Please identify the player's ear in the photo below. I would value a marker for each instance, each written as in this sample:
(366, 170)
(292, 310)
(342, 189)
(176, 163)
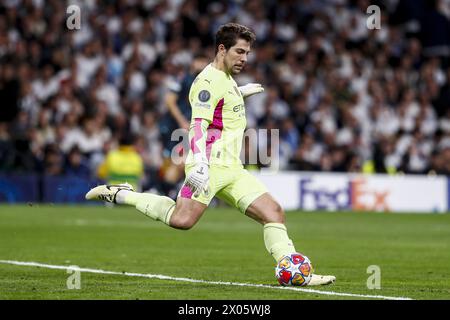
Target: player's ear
(222, 49)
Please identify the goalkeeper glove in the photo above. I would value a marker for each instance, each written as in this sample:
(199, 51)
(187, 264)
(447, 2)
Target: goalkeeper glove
(251, 89)
(198, 179)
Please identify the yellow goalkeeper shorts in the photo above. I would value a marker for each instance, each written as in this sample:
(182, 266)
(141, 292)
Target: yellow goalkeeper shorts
(236, 186)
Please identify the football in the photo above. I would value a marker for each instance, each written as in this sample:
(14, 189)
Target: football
(294, 269)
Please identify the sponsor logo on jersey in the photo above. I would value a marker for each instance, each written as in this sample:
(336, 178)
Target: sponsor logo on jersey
(239, 107)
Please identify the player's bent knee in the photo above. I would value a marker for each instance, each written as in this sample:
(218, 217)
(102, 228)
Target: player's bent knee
(273, 215)
(183, 220)
(186, 214)
(267, 212)
(277, 214)
(181, 225)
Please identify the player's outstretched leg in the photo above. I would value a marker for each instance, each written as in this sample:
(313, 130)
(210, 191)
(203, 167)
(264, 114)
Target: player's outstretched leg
(182, 214)
(269, 213)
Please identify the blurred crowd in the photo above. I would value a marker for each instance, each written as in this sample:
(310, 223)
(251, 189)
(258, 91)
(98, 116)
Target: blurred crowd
(344, 97)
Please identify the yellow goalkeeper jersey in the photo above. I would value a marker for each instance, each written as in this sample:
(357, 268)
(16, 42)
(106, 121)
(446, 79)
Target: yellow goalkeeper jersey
(215, 97)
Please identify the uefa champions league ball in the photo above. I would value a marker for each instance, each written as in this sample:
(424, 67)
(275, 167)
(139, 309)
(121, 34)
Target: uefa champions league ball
(294, 269)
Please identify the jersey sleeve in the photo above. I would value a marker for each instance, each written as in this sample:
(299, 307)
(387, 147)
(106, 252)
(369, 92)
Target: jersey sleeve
(203, 97)
(197, 138)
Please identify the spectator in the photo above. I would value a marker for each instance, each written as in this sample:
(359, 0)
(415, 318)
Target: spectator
(344, 98)
(177, 102)
(75, 164)
(90, 138)
(123, 164)
(53, 162)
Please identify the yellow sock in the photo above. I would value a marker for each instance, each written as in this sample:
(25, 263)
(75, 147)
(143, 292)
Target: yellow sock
(159, 208)
(277, 240)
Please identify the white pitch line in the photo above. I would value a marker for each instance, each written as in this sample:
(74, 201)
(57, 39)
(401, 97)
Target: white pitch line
(163, 277)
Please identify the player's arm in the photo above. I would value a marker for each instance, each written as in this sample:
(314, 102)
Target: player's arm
(203, 98)
(198, 178)
(199, 133)
(170, 100)
(171, 103)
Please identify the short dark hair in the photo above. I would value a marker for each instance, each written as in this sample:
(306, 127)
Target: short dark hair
(228, 34)
(127, 139)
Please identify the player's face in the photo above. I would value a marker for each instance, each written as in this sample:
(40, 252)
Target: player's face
(236, 56)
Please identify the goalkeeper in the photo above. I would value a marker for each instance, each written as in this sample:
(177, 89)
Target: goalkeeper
(213, 166)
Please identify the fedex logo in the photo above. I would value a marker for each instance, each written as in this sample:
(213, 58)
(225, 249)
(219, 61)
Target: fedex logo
(341, 194)
(367, 199)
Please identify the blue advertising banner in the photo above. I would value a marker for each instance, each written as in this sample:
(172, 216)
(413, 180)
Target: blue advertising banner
(66, 189)
(16, 188)
(19, 188)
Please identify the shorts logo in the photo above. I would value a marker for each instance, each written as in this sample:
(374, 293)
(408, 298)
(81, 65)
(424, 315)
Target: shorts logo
(204, 95)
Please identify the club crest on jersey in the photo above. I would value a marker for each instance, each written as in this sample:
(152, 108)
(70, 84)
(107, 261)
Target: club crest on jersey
(204, 95)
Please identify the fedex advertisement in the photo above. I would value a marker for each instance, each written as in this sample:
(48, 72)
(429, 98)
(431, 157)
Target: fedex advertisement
(334, 192)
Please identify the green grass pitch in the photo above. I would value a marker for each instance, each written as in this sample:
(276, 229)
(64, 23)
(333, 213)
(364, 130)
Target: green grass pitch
(412, 251)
